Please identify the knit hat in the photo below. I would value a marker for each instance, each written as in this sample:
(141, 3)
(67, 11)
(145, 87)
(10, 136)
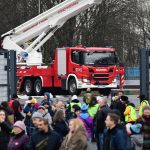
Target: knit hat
(74, 97)
(84, 107)
(37, 115)
(20, 124)
(124, 98)
(42, 107)
(32, 101)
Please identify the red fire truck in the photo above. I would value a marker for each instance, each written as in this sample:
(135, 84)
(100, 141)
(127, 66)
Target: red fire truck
(73, 68)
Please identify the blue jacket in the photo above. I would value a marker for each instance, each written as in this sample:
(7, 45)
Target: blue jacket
(116, 139)
(28, 108)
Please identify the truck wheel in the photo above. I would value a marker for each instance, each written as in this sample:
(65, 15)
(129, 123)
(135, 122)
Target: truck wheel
(28, 87)
(72, 87)
(105, 91)
(38, 87)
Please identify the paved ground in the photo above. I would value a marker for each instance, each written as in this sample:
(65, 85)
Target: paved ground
(132, 98)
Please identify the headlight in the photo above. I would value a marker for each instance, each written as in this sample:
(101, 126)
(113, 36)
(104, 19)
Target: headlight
(86, 80)
(114, 80)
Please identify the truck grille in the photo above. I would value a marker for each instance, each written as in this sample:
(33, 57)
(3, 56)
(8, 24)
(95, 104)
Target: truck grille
(100, 77)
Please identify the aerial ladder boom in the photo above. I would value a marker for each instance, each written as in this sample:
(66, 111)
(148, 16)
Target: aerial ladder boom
(41, 28)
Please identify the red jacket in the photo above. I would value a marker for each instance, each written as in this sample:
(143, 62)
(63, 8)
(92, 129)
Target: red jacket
(16, 107)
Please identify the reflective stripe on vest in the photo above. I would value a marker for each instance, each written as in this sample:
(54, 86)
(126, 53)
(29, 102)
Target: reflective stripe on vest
(132, 115)
(141, 106)
(93, 110)
(72, 104)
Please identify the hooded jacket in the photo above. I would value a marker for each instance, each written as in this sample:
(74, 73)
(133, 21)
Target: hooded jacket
(88, 122)
(47, 116)
(48, 97)
(48, 102)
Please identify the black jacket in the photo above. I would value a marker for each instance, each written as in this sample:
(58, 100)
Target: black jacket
(114, 104)
(5, 131)
(121, 107)
(45, 141)
(100, 118)
(61, 128)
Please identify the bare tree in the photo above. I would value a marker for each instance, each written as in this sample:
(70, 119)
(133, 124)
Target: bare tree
(122, 24)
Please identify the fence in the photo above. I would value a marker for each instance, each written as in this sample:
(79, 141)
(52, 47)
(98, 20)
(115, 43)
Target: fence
(132, 73)
(7, 74)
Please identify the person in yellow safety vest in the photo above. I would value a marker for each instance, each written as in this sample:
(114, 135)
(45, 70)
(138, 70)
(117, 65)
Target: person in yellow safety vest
(130, 113)
(74, 101)
(93, 107)
(143, 102)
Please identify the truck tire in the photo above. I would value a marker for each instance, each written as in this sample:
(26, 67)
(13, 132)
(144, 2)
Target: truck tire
(72, 88)
(105, 91)
(38, 87)
(28, 87)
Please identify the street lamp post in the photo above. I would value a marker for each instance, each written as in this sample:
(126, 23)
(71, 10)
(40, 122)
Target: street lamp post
(39, 9)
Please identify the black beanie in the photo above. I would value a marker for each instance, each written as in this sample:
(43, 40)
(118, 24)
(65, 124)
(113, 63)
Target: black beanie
(124, 98)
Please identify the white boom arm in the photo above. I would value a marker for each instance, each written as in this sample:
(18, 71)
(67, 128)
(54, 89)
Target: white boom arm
(41, 28)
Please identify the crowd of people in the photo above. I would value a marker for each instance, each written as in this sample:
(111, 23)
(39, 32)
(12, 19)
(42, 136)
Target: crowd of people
(72, 125)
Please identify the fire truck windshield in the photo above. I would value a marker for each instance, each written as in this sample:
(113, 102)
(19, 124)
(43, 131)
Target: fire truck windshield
(96, 58)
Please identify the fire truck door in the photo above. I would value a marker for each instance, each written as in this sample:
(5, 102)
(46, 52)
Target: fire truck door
(61, 61)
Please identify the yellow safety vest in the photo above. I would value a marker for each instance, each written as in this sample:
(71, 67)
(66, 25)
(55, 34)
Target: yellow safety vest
(93, 110)
(72, 104)
(132, 115)
(142, 105)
